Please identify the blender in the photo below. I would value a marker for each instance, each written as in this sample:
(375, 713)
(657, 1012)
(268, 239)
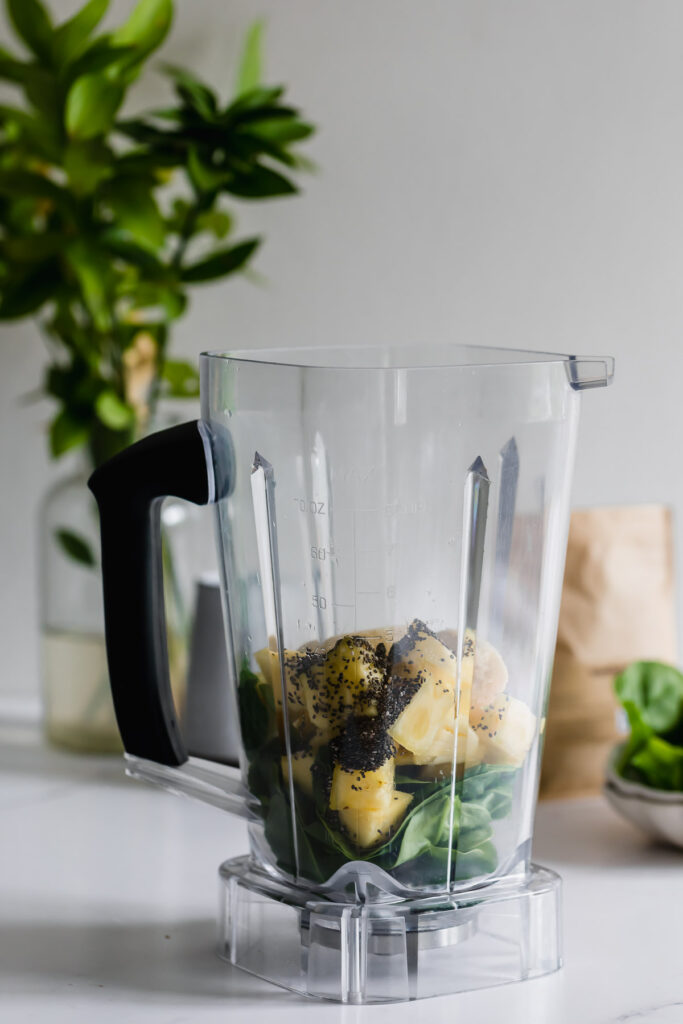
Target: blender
(391, 527)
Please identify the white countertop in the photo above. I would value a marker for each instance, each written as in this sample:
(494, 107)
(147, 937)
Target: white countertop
(108, 901)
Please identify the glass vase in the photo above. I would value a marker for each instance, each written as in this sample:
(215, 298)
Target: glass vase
(78, 708)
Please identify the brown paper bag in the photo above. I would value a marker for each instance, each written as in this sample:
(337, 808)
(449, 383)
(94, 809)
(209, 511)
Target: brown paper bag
(617, 607)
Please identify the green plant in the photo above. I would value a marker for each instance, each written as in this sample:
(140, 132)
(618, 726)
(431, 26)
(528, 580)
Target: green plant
(106, 222)
(651, 693)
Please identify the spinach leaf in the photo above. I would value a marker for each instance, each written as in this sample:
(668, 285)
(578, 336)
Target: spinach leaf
(321, 851)
(478, 861)
(333, 847)
(278, 831)
(657, 692)
(660, 764)
(652, 696)
(492, 785)
(254, 715)
(264, 778)
(431, 867)
(473, 829)
(427, 826)
(639, 736)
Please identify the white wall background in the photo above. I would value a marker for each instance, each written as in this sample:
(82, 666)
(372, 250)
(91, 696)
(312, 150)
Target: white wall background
(507, 173)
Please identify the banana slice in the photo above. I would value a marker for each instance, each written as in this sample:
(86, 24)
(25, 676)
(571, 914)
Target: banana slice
(490, 674)
(506, 729)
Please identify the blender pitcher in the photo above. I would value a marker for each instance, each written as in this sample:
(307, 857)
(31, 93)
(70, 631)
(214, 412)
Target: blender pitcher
(391, 528)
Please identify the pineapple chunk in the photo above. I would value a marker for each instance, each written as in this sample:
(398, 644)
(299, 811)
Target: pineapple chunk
(348, 680)
(269, 663)
(420, 655)
(422, 658)
(312, 685)
(302, 764)
(418, 725)
(404, 756)
(467, 753)
(506, 729)
(367, 827)
(362, 790)
(381, 635)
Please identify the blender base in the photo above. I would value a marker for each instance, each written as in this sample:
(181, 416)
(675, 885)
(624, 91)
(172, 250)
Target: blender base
(389, 951)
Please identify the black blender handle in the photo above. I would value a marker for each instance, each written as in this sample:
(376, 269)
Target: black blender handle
(129, 489)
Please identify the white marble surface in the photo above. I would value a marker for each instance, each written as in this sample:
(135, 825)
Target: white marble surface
(107, 905)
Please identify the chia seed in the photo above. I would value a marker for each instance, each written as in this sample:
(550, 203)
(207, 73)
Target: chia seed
(363, 746)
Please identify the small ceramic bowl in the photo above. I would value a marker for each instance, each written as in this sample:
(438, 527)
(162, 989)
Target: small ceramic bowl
(657, 812)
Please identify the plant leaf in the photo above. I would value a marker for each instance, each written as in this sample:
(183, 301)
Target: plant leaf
(174, 302)
(145, 29)
(34, 131)
(44, 92)
(159, 302)
(28, 293)
(182, 379)
(101, 55)
(75, 547)
(135, 211)
(31, 23)
(29, 185)
(87, 162)
(71, 37)
(91, 106)
(250, 68)
(11, 69)
(194, 92)
(91, 269)
(221, 263)
(218, 222)
(280, 130)
(262, 96)
(113, 411)
(66, 432)
(203, 176)
(119, 243)
(260, 182)
(33, 248)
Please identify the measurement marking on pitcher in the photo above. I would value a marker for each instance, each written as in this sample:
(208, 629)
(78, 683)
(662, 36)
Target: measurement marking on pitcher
(400, 508)
(316, 508)
(322, 554)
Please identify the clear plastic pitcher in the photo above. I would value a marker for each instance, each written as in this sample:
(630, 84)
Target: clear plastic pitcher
(391, 528)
